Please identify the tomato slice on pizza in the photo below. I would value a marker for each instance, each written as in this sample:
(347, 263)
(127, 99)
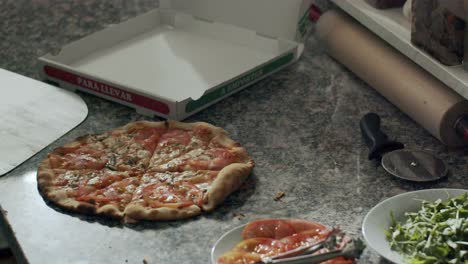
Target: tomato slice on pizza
(174, 144)
(200, 179)
(268, 228)
(87, 182)
(80, 157)
(205, 159)
(130, 148)
(148, 137)
(212, 159)
(174, 137)
(119, 192)
(179, 195)
(86, 178)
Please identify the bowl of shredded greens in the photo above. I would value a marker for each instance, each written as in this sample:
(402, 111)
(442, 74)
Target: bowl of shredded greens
(421, 227)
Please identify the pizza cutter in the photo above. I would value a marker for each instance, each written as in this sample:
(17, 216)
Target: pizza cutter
(411, 165)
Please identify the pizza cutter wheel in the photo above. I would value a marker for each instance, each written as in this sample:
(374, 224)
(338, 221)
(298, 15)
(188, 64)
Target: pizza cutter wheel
(411, 165)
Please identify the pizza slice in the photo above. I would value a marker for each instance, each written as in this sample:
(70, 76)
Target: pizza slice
(181, 138)
(78, 190)
(200, 179)
(128, 148)
(218, 153)
(218, 168)
(131, 147)
(205, 159)
(170, 195)
(175, 195)
(113, 199)
(72, 180)
(158, 200)
(87, 152)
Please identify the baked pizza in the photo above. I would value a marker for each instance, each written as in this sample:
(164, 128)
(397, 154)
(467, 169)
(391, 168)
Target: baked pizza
(145, 171)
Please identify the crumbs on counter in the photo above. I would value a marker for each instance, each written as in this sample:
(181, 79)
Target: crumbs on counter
(145, 261)
(279, 196)
(239, 215)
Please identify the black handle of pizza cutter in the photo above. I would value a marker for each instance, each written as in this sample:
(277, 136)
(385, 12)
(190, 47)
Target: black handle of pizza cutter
(376, 140)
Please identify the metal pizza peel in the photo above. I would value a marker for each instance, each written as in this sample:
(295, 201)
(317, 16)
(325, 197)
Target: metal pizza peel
(411, 165)
(33, 114)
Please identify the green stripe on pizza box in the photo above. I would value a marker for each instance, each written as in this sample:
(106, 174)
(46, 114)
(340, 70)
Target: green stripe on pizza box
(305, 22)
(239, 82)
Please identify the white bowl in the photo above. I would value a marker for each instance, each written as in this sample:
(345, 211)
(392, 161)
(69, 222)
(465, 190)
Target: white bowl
(378, 219)
(226, 243)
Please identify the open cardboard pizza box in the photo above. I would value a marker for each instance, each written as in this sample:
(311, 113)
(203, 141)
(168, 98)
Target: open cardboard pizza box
(184, 56)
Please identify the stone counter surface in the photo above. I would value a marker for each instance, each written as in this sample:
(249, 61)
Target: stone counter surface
(300, 126)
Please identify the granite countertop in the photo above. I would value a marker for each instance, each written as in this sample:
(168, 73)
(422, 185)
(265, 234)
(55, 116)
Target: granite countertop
(300, 126)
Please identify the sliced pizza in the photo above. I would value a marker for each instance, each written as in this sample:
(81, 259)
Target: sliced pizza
(146, 171)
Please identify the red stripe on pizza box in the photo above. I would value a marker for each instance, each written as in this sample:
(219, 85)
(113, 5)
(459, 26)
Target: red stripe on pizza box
(108, 90)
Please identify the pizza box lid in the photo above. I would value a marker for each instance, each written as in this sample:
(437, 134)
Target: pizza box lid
(184, 56)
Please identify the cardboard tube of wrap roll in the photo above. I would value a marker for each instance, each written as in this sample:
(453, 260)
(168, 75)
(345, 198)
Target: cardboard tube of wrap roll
(417, 93)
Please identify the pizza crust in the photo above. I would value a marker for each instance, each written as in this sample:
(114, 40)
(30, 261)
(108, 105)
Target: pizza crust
(242, 157)
(110, 210)
(58, 195)
(228, 180)
(201, 125)
(45, 176)
(60, 198)
(139, 124)
(224, 141)
(136, 211)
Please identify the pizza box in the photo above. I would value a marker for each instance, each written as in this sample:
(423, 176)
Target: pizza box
(183, 56)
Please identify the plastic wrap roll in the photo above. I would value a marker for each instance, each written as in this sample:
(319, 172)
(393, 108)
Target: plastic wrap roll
(417, 93)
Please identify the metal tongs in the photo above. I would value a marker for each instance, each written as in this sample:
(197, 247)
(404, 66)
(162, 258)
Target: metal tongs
(305, 254)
